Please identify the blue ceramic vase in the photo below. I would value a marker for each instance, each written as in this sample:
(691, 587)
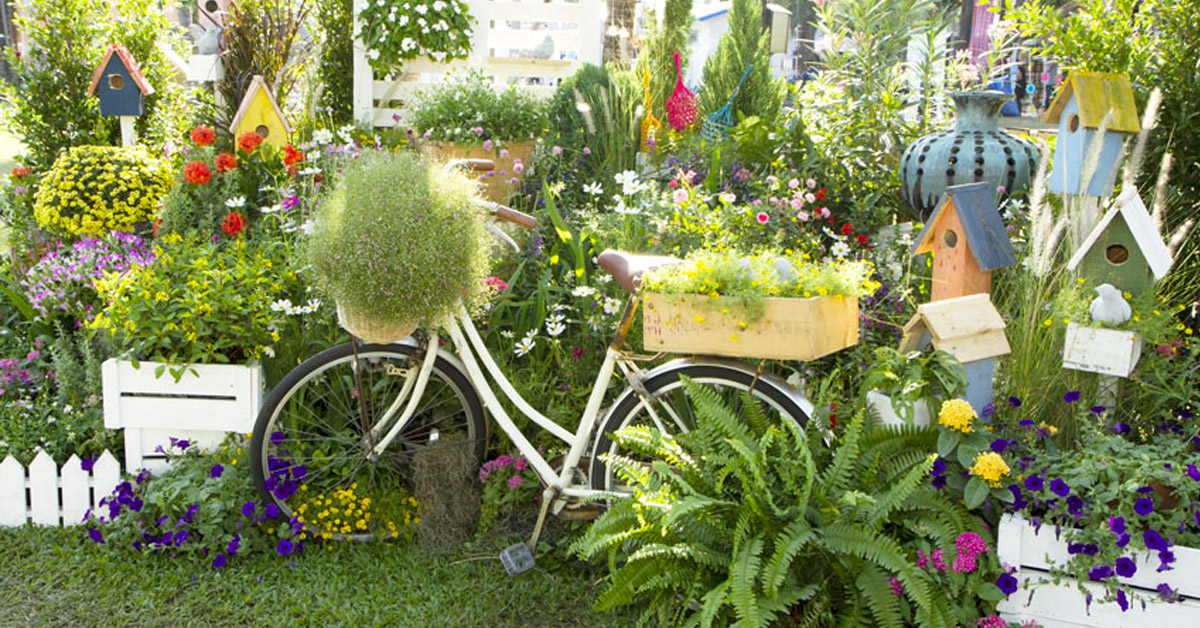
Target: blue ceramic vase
(976, 149)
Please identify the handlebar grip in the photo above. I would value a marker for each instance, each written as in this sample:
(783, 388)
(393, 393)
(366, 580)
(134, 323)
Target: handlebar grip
(478, 165)
(518, 218)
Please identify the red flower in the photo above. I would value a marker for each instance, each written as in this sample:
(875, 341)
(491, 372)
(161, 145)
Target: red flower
(862, 239)
(20, 173)
(203, 136)
(821, 194)
(225, 162)
(847, 229)
(233, 224)
(291, 156)
(197, 172)
(249, 141)
(155, 227)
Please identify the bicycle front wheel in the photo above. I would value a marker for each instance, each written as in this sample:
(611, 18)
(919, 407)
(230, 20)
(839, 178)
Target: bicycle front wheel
(676, 414)
(311, 450)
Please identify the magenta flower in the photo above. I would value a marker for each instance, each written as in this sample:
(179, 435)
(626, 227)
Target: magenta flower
(515, 481)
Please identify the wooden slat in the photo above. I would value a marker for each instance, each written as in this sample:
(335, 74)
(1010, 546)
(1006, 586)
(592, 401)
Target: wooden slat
(76, 494)
(43, 490)
(12, 493)
(963, 316)
(106, 475)
(978, 347)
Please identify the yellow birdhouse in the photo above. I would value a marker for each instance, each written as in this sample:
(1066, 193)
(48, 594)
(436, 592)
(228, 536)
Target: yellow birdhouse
(261, 114)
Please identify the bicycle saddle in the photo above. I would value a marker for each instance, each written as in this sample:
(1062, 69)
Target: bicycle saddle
(627, 268)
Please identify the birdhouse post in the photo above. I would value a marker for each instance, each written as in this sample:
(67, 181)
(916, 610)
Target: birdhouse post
(969, 328)
(1124, 249)
(121, 87)
(1079, 110)
(968, 241)
(261, 114)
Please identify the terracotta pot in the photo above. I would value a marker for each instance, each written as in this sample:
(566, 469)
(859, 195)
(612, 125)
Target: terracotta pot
(497, 186)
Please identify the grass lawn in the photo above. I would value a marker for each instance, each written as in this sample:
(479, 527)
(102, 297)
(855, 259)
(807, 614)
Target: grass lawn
(54, 577)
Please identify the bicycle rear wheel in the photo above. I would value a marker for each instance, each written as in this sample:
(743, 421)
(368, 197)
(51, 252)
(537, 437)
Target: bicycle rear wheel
(310, 453)
(677, 414)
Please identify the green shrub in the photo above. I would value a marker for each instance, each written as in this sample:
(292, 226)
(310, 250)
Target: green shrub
(335, 66)
(262, 37)
(440, 30)
(92, 190)
(467, 109)
(746, 44)
(399, 240)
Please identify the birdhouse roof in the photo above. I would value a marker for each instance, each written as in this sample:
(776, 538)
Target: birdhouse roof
(982, 226)
(1096, 93)
(135, 71)
(256, 84)
(969, 328)
(1130, 206)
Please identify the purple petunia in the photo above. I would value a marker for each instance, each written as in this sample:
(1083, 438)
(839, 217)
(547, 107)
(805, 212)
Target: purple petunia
(87, 463)
(1165, 557)
(1120, 428)
(1122, 600)
(1014, 402)
(219, 561)
(1100, 572)
(1034, 483)
(1117, 525)
(1155, 541)
(271, 511)
(1000, 445)
(1007, 583)
(1098, 409)
(1126, 567)
(1123, 540)
(1075, 505)
(1193, 472)
(216, 471)
(1143, 506)
(95, 535)
(277, 438)
(247, 509)
(1071, 397)
(1060, 488)
(284, 548)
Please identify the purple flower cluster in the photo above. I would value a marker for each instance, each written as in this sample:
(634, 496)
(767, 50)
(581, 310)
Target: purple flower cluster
(21, 373)
(518, 464)
(970, 546)
(62, 282)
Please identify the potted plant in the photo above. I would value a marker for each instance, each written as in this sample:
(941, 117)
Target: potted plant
(398, 242)
(907, 388)
(465, 118)
(764, 306)
(190, 328)
(92, 190)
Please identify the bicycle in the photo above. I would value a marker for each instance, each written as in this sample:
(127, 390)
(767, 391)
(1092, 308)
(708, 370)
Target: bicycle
(347, 421)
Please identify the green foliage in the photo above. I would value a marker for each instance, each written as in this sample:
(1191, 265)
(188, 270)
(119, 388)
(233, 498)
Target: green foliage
(917, 377)
(657, 55)
(400, 240)
(335, 65)
(76, 357)
(262, 37)
(745, 45)
(66, 39)
(596, 107)
(92, 190)
(467, 109)
(440, 30)
(726, 521)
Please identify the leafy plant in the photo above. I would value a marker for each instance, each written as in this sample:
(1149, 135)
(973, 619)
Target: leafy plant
(92, 190)
(745, 46)
(664, 37)
(725, 522)
(262, 37)
(396, 31)
(917, 377)
(335, 65)
(61, 283)
(467, 109)
(400, 257)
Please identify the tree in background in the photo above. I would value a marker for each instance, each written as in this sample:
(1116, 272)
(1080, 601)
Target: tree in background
(657, 55)
(335, 65)
(746, 44)
(262, 37)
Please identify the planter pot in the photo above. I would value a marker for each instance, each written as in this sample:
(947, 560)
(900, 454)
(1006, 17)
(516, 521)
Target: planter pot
(889, 415)
(372, 330)
(208, 402)
(1033, 552)
(976, 149)
(497, 187)
(789, 329)
(1099, 350)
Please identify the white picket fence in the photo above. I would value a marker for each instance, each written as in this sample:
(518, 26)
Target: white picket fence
(504, 28)
(43, 494)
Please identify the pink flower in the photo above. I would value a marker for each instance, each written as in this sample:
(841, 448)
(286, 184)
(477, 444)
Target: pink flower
(897, 587)
(557, 150)
(515, 481)
(794, 183)
(1000, 189)
(937, 559)
(802, 216)
(991, 621)
(520, 463)
(679, 196)
(763, 217)
(477, 130)
(587, 151)
(518, 167)
(922, 560)
(811, 183)
(772, 179)
(487, 145)
(503, 153)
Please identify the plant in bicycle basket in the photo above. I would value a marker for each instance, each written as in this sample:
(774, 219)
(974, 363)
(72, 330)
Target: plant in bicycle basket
(399, 242)
(396, 31)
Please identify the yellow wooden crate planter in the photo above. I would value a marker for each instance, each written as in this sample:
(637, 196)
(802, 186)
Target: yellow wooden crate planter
(788, 329)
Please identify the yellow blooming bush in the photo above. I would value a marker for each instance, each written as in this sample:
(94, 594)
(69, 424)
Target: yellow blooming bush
(92, 190)
(347, 511)
(991, 468)
(199, 302)
(957, 414)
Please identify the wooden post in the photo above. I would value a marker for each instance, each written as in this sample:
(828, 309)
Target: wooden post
(128, 137)
(979, 382)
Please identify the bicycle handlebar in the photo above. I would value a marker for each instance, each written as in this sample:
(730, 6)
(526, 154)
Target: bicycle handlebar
(477, 165)
(507, 214)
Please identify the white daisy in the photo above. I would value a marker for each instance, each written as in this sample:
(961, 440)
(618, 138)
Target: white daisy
(594, 188)
(583, 291)
(611, 306)
(840, 249)
(555, 327)
(235, 202)
(523, 347)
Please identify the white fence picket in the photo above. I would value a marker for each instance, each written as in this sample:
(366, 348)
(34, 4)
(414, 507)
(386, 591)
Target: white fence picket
(43, 490)
(76, 494)
(12, 493)
(106, 474)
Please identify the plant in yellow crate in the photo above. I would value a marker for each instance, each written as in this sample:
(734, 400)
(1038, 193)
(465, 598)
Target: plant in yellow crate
(92, 190)
(399, 242)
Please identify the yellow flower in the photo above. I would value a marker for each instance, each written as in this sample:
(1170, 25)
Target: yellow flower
(1049, 429)
(990, 467)
(957, 414)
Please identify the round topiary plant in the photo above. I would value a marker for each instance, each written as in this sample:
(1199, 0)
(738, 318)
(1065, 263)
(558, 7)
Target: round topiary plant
(399, 242)
(92, 190)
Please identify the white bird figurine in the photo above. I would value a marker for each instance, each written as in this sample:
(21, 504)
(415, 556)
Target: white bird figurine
(207, 40)
(1110, 307)
(783, 269)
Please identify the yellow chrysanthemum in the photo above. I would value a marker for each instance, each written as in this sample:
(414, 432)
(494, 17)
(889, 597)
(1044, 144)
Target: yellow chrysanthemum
(957, 414)
(990, 467)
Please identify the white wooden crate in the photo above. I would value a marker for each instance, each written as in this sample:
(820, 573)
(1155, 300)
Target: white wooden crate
(1098, 350)
(45, 495)
(208, 402)
(1034, 551)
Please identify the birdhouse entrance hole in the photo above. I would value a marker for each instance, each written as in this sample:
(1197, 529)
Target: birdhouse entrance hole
(211, 6)
(262, 131)
(950, 238)
(1116, 255)
(1073, 122)
(116, 81)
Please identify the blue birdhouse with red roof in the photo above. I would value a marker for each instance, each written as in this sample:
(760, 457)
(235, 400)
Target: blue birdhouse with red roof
(119, 84)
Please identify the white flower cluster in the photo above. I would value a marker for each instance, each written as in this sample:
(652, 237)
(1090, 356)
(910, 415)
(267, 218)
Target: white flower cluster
(285, 306)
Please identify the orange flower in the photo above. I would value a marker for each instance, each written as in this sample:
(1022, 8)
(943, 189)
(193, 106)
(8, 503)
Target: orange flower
(20, 173)
(249, 141)
(203, 136)
(233, 224)
(225, 162)
(291, 156)
(197, 172)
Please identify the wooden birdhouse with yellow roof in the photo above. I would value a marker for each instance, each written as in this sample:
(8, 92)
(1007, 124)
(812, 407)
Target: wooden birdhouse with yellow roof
(119, 84)
(261, 114)
(1079, 109)
(968, 241)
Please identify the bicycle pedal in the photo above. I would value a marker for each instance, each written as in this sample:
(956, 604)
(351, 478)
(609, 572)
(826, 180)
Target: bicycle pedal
(517, 559)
